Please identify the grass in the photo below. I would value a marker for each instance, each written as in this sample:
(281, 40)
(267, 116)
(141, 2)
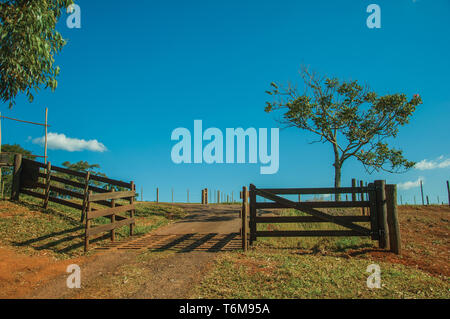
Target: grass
(58, 231)
(285, 274)
(313, 268)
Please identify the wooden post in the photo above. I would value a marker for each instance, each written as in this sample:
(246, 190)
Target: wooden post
(15, 190)
(428, 201)
(299, 198)
(47, 184)
(392, 218)
(353, 186)
(86, 193)
(421, 192)
(133, 188)
(448, 192)
(87, 225)
(172, 195)
(382, 214)
(203, 196)
(206, 196)
(218, 197)
(113, 218)
(252, 213)
(363, 209)
(157, 195)
(244, 230)
(373, 212)
(232, 197)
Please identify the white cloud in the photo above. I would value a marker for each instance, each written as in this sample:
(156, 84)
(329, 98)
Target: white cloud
(410, 184)
(440, 162)
(57, 141)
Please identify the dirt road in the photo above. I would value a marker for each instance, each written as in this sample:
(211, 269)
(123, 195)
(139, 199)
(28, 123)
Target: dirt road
(166, 263)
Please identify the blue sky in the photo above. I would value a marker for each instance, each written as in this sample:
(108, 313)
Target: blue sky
(135, 71)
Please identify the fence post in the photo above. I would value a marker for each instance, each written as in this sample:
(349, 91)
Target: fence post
(421, 192)
(157, 194)
(47, 184)
(206, 196)
(353, 186)
(448, 192)
(88, 224)
(203, 196)
(133, 188)
(382, 214)
(86, 192)
(15, 190)
(373, 212)
(363, 209)
(392, 218)
(218, 197)
(113, 218)
(252, 213)
(244, 230)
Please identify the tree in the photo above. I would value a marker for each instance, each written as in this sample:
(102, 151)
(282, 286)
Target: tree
(28, 43)
(352, 118)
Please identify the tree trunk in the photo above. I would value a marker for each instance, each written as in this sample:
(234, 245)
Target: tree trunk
(337, 171)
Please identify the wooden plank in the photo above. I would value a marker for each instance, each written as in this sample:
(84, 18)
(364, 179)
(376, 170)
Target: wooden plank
(107, 227)
(110, 181)
(309, 219)
(69, 171)
(325, 204)
(35, 163)
(65, 202)
(78, 184)
(309, 233)
(311, 211)
(392, 219)
(331, 190)
(110, 211)
(67, 192)
(111, 195)
(31, 193)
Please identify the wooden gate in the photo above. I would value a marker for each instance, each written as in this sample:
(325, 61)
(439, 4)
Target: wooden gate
(76, 190)
(377, 199)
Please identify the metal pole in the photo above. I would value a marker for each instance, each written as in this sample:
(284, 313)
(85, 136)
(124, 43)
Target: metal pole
(45, 143)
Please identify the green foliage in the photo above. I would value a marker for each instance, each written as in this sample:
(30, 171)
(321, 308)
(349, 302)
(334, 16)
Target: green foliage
(28, 43)
(351, 117)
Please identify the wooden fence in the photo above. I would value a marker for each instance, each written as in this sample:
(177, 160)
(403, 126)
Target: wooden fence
(379, 211)
(35, 179)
